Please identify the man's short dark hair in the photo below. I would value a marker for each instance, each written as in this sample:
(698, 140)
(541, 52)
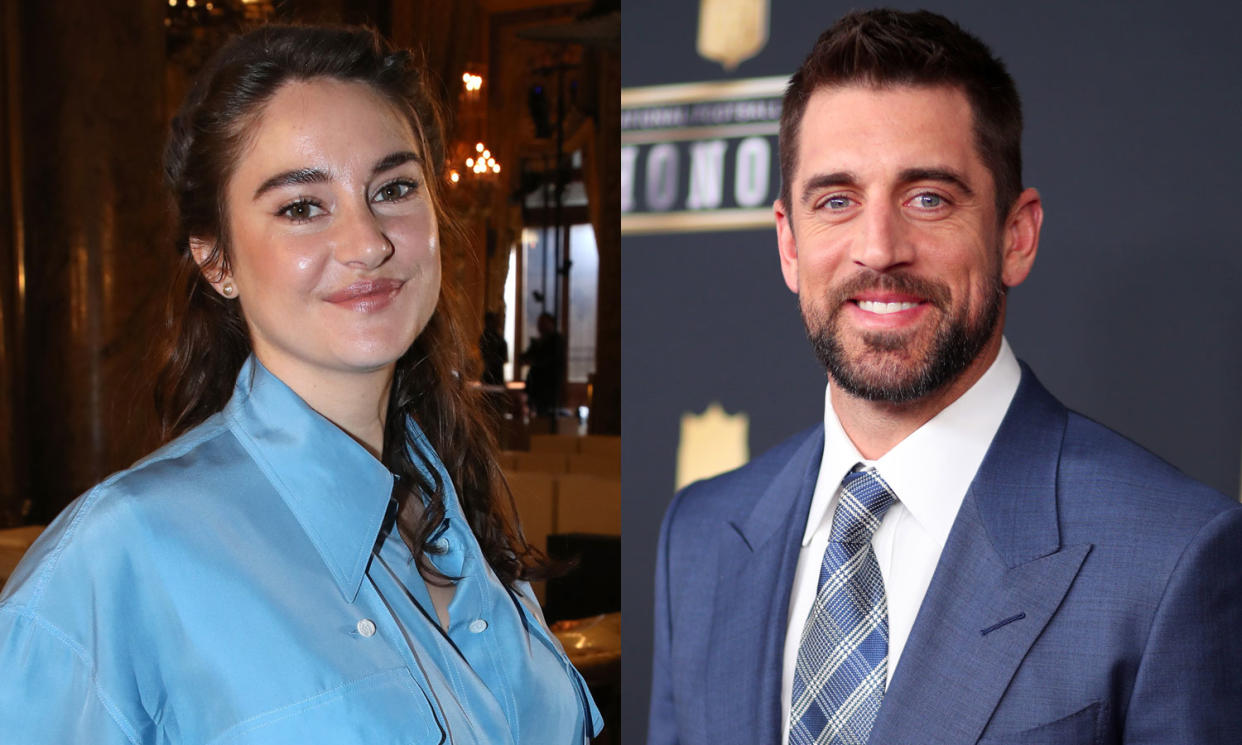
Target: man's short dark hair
(888, 47)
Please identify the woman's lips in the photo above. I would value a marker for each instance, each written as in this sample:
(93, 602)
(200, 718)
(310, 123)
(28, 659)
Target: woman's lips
(366, 295)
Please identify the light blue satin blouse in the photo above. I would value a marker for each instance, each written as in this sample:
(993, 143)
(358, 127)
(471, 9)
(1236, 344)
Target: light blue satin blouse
(241, 586)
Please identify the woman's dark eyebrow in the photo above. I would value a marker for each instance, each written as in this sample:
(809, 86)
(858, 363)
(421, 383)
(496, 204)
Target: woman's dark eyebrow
(316, 176)
(298, 176)
(394, 160)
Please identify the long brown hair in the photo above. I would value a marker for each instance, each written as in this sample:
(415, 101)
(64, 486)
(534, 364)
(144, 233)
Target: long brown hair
(209, 340)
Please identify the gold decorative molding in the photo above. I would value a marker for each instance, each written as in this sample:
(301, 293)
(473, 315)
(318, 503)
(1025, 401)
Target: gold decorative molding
(697, 222)
(715, 90)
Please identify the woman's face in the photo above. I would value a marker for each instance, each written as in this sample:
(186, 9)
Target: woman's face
(333, 237)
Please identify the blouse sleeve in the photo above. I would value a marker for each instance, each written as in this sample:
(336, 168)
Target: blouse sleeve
(48, 691)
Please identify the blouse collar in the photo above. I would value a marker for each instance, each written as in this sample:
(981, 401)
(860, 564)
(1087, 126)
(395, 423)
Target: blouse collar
(338, 492)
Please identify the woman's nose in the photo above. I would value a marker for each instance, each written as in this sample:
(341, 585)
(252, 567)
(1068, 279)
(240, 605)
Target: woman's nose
(363, 241)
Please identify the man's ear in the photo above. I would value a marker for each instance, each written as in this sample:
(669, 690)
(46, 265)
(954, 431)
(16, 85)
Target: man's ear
(786, 245)
(212, 266)
(1020, 239)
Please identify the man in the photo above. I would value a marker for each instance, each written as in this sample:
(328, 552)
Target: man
(546, 357)
(953, 557)
(493, 348)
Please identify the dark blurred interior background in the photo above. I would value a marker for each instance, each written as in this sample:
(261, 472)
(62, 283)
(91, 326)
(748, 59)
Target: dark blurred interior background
(86, 256)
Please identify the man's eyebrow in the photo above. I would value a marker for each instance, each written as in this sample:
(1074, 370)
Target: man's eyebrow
(822, 181)
(826, 181)
(395, 159)
(296, 176)
(943, 175)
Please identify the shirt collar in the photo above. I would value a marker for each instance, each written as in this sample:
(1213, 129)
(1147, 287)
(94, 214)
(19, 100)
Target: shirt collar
(931, 469)
(337, 491)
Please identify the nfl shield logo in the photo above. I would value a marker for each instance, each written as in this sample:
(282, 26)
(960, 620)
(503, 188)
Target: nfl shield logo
(711, 443)
(731, 31)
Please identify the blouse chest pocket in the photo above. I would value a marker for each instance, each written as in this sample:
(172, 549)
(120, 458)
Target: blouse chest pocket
(387, 708)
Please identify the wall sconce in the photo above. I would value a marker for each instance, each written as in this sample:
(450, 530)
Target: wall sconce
(482, 162)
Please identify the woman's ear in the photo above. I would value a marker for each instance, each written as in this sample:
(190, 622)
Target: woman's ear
(215, 272)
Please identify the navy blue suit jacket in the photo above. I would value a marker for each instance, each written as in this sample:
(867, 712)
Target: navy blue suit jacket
(1088, 592)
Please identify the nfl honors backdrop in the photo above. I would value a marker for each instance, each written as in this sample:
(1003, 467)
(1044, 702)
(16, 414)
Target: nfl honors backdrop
(1132, 315)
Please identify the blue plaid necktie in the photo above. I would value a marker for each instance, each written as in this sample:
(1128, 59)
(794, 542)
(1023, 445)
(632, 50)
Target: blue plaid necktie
(843, 656)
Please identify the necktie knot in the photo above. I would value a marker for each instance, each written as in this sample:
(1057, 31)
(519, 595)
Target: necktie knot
(865, 497)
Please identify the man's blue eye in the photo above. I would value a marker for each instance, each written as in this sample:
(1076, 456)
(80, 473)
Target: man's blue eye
(837, 203)
(929, 201)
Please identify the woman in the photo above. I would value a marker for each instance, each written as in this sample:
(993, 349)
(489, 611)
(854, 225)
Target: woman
(320, 556)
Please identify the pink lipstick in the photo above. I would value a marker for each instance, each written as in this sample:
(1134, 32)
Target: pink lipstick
(366, 295)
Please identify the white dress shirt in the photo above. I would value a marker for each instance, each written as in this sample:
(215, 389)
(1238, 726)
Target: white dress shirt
(929, 472)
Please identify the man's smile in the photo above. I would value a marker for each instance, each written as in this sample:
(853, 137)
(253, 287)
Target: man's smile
(873, 306)
(885, 308)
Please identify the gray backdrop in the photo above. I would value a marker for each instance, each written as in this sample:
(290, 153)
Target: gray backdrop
(1132, 314)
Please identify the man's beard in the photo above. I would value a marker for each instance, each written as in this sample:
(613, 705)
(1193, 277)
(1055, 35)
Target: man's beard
(957, 341)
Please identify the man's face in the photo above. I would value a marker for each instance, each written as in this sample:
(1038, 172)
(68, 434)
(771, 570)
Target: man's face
(892, 240)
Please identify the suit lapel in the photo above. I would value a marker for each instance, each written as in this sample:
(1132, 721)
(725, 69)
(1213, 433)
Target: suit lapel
(977, 623)
(756, 564)
(1001, 576)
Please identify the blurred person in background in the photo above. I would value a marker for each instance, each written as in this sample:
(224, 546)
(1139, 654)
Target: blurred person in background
(546, 357)
(493, 349)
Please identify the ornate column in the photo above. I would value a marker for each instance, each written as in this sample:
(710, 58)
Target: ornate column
(11, 295)
(606, 414)
(96, 260)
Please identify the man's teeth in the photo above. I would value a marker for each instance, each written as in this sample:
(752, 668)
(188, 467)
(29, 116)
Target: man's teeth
(873, 307)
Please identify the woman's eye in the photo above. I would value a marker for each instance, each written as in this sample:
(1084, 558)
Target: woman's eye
(394, 191)
(301, 210)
